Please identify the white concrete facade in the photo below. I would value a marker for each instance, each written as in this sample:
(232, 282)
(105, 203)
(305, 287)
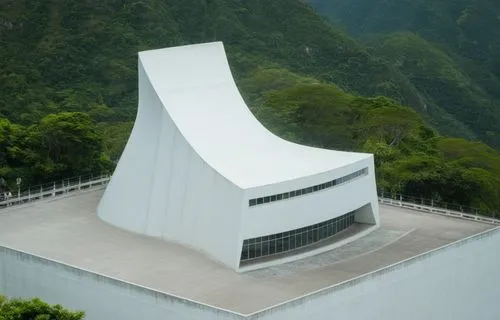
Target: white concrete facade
(197, 156)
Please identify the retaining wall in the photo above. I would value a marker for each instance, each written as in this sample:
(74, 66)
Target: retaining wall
(457, 282)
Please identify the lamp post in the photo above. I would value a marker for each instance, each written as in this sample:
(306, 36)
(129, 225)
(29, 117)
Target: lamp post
(18, 182)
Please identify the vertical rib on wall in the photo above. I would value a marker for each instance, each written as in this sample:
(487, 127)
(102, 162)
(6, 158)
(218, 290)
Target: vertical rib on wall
(162, 188)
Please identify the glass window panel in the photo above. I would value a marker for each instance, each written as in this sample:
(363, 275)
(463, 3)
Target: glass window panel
(273, 198)
(265, 248)
(267, 199)
(324, 232)
(286, 195)
(292, 194)
(260, 200)
(244, 253)
(258, 249)
(291, 240)
(251, 251)
(309, 238)
(252, 202)
(303, 239)
(286, 244)
(279, 245)
(279, 197)
(272, 247)
(315, 235)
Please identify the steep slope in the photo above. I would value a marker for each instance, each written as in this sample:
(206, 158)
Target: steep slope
(461, 36)
(80, 55)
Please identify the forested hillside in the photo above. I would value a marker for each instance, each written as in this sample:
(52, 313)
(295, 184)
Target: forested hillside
(69, 90)
(448, 50)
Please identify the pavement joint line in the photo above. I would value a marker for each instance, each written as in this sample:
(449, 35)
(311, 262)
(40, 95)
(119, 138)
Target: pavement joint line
(377, 249)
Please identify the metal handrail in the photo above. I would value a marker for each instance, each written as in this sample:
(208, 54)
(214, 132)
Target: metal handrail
(65, 186)
(56, 188)
(438, 210)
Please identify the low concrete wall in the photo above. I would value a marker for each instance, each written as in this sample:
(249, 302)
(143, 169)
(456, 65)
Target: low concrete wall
(457, 282)
(102, 298)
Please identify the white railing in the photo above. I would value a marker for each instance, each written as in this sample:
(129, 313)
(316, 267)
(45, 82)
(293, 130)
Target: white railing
(66, 186)
(50, 190)
(431, 208)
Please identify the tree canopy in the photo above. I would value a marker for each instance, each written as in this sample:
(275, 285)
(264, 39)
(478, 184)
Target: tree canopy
(35, 309)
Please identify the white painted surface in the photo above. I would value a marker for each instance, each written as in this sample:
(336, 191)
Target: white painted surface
(457, 282)
(102, 298)
(195, 85)
(196, 155)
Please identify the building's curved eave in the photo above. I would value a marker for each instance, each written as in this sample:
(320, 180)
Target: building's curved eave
(197, 89)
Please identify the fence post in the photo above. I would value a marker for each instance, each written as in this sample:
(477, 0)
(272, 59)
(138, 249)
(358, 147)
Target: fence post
(29, 194)
(41, 192)
(54, 190)
(400, 200)
(79, 182)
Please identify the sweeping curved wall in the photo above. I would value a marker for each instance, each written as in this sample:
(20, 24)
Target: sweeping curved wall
(197, 158)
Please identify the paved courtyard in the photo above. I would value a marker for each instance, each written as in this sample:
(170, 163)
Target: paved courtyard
(68, 230)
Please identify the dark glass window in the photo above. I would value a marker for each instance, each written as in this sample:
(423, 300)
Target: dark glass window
(290, 240)
(296, 193)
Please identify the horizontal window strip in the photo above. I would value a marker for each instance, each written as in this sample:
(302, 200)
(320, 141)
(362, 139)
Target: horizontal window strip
(256, 248)
(304, 191)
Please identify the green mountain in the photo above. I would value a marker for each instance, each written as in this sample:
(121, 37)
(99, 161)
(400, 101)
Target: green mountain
(69, 89)
(449, 51)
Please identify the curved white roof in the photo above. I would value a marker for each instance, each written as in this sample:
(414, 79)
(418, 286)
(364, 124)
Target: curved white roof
(196, 86)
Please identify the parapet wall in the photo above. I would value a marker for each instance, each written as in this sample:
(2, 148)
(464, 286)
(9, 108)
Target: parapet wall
(102, 298)
(455, 282)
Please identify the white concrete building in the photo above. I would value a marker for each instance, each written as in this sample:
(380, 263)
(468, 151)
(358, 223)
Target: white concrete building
(200, 170)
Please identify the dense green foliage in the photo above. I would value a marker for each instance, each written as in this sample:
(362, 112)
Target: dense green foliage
(448, 50)
(411, 158)
(60, 145)
(69, 89)
(34, 309)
